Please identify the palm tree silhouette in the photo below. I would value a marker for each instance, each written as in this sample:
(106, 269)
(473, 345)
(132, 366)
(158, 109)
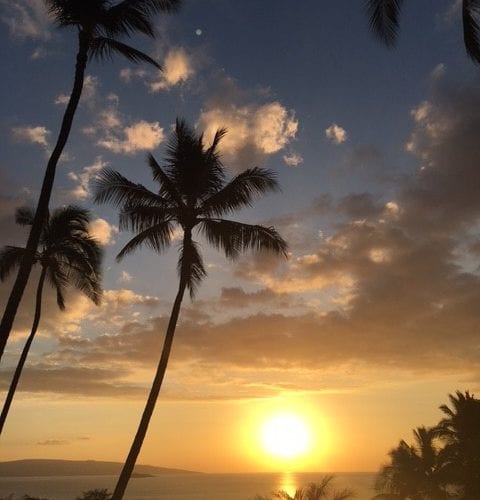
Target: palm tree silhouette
(68, 256)
(461, 432)
(415, 472)
(384, 22)
(314, 491)
(192, 194)
(100, 25)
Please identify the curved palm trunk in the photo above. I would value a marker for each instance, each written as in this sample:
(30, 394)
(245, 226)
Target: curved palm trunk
(26, 348)
(44, 199)
(152, 398)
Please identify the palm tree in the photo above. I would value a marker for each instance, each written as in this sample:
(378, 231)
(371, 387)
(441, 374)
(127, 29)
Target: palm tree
(192, 193)
(461, 432)
(415, 472)
(384, 22)
(68, 255)
(314, 491)
(100, 24)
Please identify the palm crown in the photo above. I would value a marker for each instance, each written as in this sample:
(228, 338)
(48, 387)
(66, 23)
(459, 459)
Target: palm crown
(101, 22)
(192, 193)
(67, 253)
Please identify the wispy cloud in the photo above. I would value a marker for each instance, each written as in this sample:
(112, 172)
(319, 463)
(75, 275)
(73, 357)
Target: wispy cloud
(82, 190)
(103, 231)
(177, 69)
(33, 135)
(26, 18)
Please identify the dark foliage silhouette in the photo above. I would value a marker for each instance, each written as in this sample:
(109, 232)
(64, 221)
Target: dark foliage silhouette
(415, 472)
(384, 22)
(192, 193)
(460, 430)
(102, 494)
(314, 491)
(100, 25)
(444, 462)
(67, 255)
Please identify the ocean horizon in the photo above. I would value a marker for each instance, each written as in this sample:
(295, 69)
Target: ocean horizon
(201, 486)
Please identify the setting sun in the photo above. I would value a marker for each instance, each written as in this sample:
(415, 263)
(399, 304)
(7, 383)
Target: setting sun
(285, 436)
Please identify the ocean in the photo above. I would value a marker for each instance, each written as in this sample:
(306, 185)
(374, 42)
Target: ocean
(183, 486)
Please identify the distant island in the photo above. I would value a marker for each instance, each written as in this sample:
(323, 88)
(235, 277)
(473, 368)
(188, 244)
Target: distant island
(44, 467)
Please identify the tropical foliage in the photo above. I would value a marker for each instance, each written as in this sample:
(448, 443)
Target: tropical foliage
(444, 461)
(67, 255)
(100, 25)
(314, 491)
(192, 194)
(384, 22)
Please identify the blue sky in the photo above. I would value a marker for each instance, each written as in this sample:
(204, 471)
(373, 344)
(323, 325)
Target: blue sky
(376, 155)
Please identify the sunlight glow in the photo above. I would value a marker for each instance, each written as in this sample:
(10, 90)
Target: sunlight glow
(285, 436)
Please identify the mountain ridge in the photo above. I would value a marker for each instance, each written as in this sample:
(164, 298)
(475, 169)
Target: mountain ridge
(51, 467)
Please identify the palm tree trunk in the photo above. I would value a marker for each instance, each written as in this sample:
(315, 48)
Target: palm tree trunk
(26, 348)
(44, 199)
(152, 398)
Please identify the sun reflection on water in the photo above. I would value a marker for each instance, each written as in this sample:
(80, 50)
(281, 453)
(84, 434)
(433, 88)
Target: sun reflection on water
(288, 482)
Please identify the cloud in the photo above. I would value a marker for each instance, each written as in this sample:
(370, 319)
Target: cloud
(140, 136)
(26, 18)
(443, 194)
(125, 277)
(293, 159)
(102, 231)
(177, 69)
(385, 288)
(33, 135)
(82, 189)
(89, 92)
(253, 132)
(336, 134)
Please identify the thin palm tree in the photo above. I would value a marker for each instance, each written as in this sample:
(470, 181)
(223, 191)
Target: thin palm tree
(192, 193)
(384, 22)
(460, 429)
(415, 472)
(100, 25)
(68, 255)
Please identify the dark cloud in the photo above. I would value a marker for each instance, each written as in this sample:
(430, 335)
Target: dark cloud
(96, 382)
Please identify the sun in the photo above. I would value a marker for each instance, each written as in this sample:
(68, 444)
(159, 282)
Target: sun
(285, 436)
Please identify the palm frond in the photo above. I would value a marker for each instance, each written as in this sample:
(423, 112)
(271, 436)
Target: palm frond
(138, 218)
(24, 216)
(10, 258)
(157, 237)
(194, 171)
(58, 279)
(384, 19)
(128, 17)
(88, 283)
(235, 237)
(167, 188)
(190, 266)
(344, 494)
(241, 191)
(104, 48)
(112, 187)
(471, 28)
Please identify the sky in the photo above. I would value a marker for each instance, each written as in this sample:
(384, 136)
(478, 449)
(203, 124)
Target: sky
(361, 333)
